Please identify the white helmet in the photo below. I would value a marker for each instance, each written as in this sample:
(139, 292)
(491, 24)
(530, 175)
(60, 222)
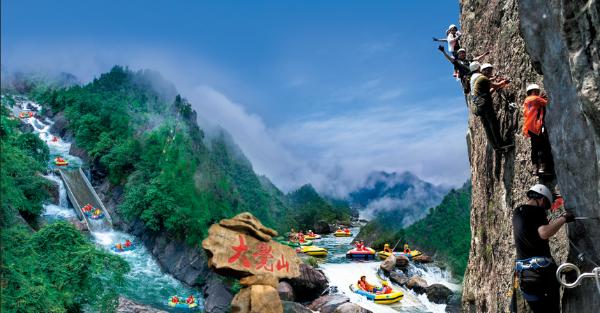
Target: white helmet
(462, 50)
(474, 66)
(533, 87)
(452, 26)
(486, 65)
(542, 190)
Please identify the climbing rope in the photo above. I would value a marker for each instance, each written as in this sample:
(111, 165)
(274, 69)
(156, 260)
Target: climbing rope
(568, 267)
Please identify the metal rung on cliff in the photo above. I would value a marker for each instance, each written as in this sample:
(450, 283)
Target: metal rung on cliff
(80, 193)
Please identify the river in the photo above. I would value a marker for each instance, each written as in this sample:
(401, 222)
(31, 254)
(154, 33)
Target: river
(145, 283)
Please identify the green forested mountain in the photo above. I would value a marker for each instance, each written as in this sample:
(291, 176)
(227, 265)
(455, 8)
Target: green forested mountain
(309, 208)
(53, 269)
(176, 179)
(445, 231)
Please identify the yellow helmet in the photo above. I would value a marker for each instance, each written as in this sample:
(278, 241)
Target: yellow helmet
(386, 245)
(384, 283)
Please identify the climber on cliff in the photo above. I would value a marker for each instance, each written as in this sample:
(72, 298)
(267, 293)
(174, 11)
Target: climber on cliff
(482, 105)
(453, 40)
(534, 265)
(461, 66)
(534, 111)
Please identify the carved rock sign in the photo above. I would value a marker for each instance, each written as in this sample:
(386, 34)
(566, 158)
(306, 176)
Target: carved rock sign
(242, 246)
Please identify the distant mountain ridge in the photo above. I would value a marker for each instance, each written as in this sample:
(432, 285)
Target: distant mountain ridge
(403, 197)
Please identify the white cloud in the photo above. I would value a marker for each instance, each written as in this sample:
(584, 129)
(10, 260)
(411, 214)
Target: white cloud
(426, 139)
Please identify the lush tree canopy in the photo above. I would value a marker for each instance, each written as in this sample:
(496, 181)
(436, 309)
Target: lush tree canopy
(445, 231)
(55, 269)
(176, 179)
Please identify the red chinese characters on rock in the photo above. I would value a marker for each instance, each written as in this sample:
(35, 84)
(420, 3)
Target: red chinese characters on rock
(262, 256)
(281, 264)
(239, 253)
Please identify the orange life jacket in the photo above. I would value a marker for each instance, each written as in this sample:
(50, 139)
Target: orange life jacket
(365, 286)
(533, 114)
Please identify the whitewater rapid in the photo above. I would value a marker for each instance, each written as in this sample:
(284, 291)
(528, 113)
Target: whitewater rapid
(145, 282)
(342, 272)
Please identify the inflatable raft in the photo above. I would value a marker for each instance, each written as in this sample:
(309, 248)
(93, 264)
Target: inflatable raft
(183, 305)
(296, 244)
(61, 162)
(313, 250)
(384, 255)
(387, 298)
(114, 248)
(94, 216)
(366, 254)
(25, 114)
(309, 237)
(342, 234)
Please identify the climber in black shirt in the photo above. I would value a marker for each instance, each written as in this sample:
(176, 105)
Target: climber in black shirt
(534, 264)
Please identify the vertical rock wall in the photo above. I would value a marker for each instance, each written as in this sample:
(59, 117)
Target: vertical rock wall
(562, 39)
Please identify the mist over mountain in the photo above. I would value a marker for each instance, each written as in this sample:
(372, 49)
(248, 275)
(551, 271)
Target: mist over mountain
(400, 197)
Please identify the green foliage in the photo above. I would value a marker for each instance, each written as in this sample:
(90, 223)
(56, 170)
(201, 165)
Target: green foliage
(175, 180)
(57, 270)
(22, 159)
(309, 207)
(312, 261)
(445, 231)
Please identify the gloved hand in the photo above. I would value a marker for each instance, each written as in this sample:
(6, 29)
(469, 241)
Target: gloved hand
(435, 39)
(441, 48)
(569, 217)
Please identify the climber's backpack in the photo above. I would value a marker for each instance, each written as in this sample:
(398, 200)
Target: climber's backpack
(478, 103)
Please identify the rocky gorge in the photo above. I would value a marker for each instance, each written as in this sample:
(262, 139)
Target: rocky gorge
(555, 44)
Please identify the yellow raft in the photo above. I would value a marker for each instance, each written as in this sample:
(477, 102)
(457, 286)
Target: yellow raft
(60, 162)
(384, 255)
(309, 237)
(342, 234)
(313, 250)
(387, 298)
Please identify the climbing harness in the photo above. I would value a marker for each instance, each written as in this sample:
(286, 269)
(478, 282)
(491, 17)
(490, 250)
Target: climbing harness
(532, 263)
(568, 267)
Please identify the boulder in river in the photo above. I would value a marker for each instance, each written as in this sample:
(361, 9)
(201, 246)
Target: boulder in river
(389, 264)
(401, 261)
(294, 307)
(328, 303)
(217, 298)
(52, 188)
(310, 284)
(286, 292)
(418, 284)
(127, 306)
(351, 308)
(399, 278)
(60, 124)
(422, 259)
(322, 227)
(80, 226)
(257, 298)
(438, 293)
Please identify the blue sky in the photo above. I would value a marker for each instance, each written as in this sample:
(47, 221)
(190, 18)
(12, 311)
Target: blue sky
(312, 91)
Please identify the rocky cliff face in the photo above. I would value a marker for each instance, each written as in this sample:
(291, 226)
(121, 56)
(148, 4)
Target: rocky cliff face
(555, 44)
